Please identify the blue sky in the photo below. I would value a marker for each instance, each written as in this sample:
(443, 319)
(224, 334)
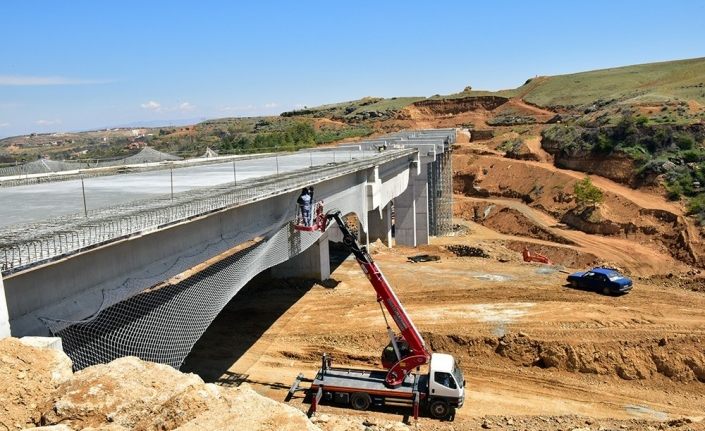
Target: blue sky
(78, 65)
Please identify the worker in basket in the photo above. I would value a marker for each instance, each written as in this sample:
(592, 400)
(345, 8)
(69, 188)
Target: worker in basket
(305, 202)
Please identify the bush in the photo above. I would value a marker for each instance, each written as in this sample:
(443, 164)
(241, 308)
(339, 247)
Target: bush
(604, 144)
(637, 153)
(674, 191)
(510, 145)
(696, 205)
(586, 194)
(684, 142)
(693, 156)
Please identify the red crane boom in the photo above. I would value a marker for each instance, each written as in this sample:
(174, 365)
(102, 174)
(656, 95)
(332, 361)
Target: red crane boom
(410, 349)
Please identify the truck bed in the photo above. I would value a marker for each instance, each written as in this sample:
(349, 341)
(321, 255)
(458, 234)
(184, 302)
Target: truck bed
(369, 381)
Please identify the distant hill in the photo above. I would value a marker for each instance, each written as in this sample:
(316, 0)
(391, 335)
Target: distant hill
(650, 82)
(644, 83)
(671, 92)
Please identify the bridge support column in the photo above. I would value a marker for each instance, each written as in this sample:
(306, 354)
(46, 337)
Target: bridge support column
(4, 314)
(411, 208)
(362, 236)
(312, 263)
(380, 227)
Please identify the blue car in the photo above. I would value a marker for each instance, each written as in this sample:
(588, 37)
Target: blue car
(605, 280)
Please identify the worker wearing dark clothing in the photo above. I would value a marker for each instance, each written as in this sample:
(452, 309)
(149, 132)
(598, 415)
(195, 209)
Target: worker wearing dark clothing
(305, 201)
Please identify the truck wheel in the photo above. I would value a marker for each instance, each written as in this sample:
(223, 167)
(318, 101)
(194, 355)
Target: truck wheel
(606, 291)
(439, 409)
(360, 401)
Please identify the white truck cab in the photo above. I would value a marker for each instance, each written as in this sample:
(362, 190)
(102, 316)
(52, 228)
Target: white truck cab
(446, 384)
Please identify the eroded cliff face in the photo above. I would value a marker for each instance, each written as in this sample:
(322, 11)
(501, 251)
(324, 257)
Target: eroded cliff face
(459, 105)
(617, 166)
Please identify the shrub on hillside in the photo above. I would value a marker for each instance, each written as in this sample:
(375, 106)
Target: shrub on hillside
(586, 194)
(684, 142)
(696, 205)
(693, 156)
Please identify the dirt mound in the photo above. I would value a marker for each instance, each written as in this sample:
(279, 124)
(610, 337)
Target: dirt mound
(27, 375)
(503, 219)
(467, 251)
(247, 410)
(39, 388)
(680, 358)
(132, 394)
(694, 281)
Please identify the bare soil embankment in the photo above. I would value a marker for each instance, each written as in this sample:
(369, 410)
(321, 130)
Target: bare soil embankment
(630, 215)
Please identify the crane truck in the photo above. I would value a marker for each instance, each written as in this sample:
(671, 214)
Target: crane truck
(440, 390)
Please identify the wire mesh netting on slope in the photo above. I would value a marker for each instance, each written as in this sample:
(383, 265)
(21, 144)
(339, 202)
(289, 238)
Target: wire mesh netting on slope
(162, 324)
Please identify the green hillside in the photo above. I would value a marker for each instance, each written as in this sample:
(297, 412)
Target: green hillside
(644, 83)
(657, 83)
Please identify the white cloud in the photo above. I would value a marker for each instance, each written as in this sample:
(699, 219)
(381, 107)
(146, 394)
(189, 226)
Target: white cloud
(158, 107)
(152, 106)
(238, 108)
(23, 80)
(271, 105)
(185, 106)
(47, 122)
(4, 125)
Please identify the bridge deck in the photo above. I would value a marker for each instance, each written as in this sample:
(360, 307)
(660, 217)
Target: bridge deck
(26, 245)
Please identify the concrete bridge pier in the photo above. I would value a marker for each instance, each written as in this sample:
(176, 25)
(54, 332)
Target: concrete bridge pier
(380, 225)
(312, 263)
(4, 314)
(411, 208)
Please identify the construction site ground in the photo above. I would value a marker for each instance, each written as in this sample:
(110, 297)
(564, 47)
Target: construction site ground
(536, 353)
(528, 345)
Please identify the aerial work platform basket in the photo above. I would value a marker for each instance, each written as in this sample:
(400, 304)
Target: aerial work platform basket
(318, 219)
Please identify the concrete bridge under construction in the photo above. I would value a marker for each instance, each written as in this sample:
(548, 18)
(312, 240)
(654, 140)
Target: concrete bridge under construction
(146, 276)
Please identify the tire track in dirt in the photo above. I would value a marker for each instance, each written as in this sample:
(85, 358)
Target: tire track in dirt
(523, 392)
